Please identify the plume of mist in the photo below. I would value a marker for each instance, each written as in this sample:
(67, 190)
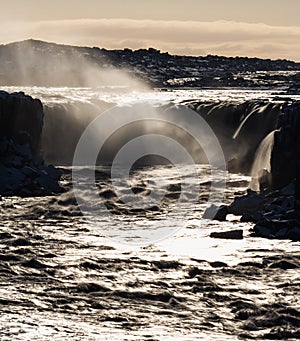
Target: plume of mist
(65, 123)
(63, 126)
(37, 63)
(154, 126)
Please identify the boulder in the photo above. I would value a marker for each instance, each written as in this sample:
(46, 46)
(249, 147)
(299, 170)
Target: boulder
(214, 212)
(233, 234)
(262, 231)
(250, 203)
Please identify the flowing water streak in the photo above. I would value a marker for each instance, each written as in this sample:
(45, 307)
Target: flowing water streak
(262, 160)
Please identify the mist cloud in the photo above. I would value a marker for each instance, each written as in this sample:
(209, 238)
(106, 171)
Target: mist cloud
(181, 37)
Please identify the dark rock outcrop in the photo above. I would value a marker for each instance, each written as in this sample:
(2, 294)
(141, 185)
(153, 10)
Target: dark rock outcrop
(21, 119)
(281, 217)
(214, 212)
(22, 169)
(276, 213)
(247, 204)
(233, 234)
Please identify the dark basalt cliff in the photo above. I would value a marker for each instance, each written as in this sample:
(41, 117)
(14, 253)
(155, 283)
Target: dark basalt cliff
(22, 170)
(280, 216)
(285, 158)
(21, 119)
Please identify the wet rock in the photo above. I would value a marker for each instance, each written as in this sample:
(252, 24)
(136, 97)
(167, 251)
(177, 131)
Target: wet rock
(244, 314)
(48, 184)
(67, 199)
(193, 272)
(234, 234)
(90, 288)
(166, 265)
(262, 231)
(108, 194)
(97, 305)
(278, 222)
(9, 257)
(5, 235)
(13, 161)
(251, 218)
(12, 181)
(216, 212)
(90, 265)
(117, 319)
(140, 295)
(218, 264)
(29, 172)
(24, 152)
(248, 204)
(285, 265)
(34, 263)
(251, 264)
(21, 242)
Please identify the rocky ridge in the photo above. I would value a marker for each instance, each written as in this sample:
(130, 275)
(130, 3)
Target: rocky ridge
(43, 64)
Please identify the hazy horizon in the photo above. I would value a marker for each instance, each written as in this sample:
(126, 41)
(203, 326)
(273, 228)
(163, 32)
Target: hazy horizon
(263, 29)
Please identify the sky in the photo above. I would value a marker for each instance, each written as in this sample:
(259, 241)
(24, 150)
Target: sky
(256, 28)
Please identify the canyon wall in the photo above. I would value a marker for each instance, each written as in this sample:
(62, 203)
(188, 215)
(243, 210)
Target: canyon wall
(22, 169)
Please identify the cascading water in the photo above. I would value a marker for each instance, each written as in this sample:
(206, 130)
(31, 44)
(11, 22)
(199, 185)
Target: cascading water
(262, 160)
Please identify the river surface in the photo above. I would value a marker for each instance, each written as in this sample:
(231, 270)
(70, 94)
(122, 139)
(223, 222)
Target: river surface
(124, 95)
(65, 278)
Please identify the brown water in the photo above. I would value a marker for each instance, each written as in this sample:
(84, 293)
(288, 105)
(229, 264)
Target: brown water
(62, 280)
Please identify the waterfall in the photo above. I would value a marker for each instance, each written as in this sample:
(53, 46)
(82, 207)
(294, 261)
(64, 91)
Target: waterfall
(262, 160)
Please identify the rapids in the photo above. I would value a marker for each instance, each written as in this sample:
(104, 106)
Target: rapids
(62, 278)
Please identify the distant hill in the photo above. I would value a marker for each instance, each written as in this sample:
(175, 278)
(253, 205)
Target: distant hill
(33, 62)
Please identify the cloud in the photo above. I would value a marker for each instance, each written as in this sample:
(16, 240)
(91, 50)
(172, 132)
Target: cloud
(182, 37)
